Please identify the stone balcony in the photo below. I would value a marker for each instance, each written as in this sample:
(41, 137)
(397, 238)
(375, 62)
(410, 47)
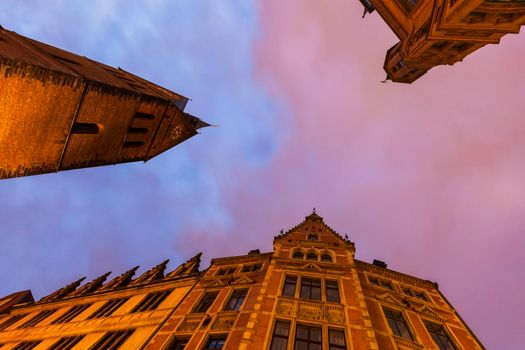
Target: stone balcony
(310, 310)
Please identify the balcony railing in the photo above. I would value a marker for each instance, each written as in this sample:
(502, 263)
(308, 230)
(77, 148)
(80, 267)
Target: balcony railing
(310, 310)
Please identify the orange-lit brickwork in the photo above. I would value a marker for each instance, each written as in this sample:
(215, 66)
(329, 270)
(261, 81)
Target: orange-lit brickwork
(309, 293)
(438, 32)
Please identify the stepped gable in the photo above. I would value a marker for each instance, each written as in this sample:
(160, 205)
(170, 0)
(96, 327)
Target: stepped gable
(120, 281)
(62, 292)
(7, 302)
(189, 267)
(153, 274)
(91, 286)
(313, 217)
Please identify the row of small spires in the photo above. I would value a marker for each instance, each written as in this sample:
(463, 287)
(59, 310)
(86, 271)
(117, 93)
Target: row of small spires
(126, 279)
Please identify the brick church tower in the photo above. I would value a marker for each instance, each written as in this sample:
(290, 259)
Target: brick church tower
(308, 293)
(61, 111)
(437, 32)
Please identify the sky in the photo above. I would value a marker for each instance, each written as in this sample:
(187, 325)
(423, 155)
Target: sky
(428, 177)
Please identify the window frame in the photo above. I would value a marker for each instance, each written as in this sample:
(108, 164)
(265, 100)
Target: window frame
(208, 339)
(309, 327)
(108, 308)
(337, 346)
(226, 270)
(248, 268)
(404, 320)
(296, 277)
(197, 305)
(446, 331)
(171, 342)
(381, 282)
(151, 301)
(338, 301)
(287, 337)
(311, 287)
(237, 306)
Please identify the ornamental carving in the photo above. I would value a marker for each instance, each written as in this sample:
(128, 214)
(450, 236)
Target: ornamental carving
(190, 323)
(224, 322)
(310, 310)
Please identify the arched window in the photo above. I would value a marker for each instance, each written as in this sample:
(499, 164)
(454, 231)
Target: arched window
(298, 255)
(312, 237)
(326, 258)
(312, 256)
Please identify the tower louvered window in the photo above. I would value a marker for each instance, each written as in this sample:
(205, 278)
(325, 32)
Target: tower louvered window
(39, 317)
(11, 321)
(151, 301)
(66, 343)
(71, 313)
(112, 340)
(110, 307)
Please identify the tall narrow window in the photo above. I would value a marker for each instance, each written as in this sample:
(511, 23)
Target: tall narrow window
(236, 300)
(336, 340)
(37, 318)
(440, 337)
(71, 313)
(215, 343)
(110, 307)
(280, 336)
(289, 286)
(27, 345)
(178, 343)
(112, 340)
(66, 343)
(206, 301)
(311, 288)
(332, 291)
(397, 323)
(308, 338)
(10, 321)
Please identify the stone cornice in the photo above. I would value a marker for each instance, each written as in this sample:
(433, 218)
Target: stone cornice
(361, 265)
(241, 258)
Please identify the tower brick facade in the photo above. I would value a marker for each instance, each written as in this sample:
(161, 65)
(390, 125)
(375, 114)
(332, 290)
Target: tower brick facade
(308, 293)
(61, 111)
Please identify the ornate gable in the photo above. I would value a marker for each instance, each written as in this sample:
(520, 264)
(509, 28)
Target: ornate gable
(389, 299)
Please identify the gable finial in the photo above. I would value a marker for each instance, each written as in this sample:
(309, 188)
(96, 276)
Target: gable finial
(282, 231)
(313, 211)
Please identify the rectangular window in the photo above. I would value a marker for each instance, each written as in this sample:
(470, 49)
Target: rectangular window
(406, 291)
(178, 344)
(289, 286)
(66, 343)
(10, 321)
(71, 313)
(440, 337)
(311, 288)
(226, 271)
(27, 345)
(251, 268)
(107, 309)
(112, 340)
(421, 296)
(397, 323)
(336, 339)
(236, 299)
(151, 301)
(280, 336)
(332, 291)
(206, 301)
(215, 343)
(308, 338)
(37, 318)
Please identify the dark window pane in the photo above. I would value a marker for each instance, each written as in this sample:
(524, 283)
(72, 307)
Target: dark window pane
(312, 256)
(206, 301)
(178, 344)
(373, 281)
(311, 288)
(326, 258)
(308, 338)
(215, 343)
(151, 301)
(280, 336)
(336, 339)
(289, 286)
(298, 255)
(397, 323)
(332, 291)
(236, 299)
(440, 337)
